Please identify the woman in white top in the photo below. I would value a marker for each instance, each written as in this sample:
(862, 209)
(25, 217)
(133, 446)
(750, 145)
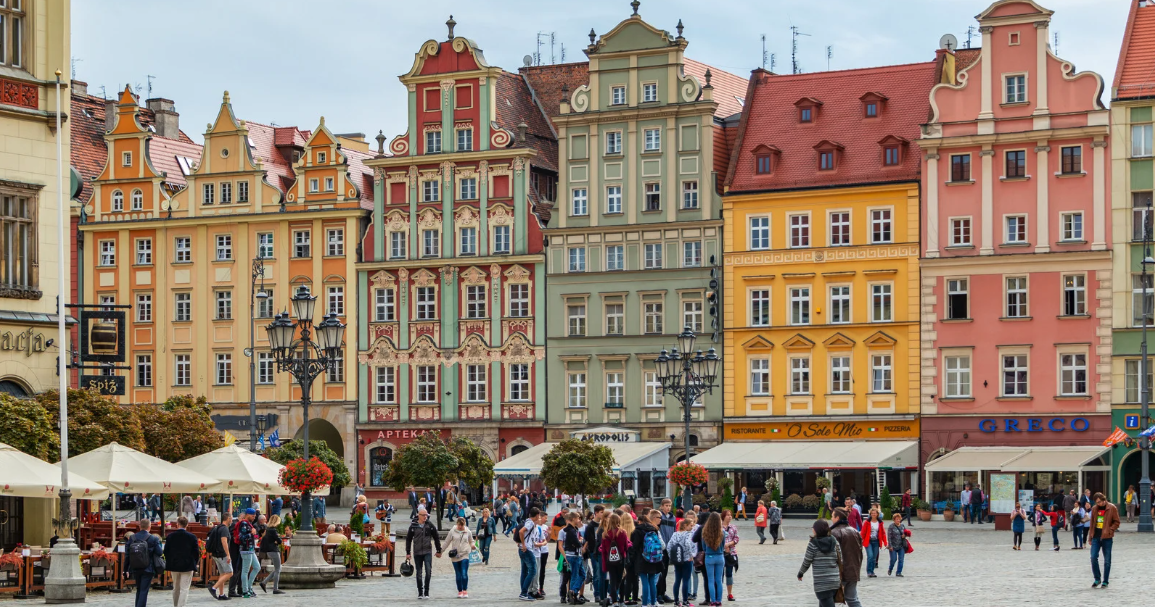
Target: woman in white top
(458, 543)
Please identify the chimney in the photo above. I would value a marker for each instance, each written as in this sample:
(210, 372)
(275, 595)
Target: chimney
(521, 129)
(165, 118)
(109, 114)
(79, 88)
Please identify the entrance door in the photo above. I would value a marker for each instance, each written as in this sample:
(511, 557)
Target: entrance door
(1132, 468)
(11, 522)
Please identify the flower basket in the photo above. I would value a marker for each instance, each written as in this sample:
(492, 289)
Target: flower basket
(300, 475)
(688, 474)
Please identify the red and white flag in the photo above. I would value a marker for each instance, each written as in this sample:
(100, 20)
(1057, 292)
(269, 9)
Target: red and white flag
(1116, 437)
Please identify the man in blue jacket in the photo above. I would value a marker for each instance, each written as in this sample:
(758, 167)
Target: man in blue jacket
(143, 550)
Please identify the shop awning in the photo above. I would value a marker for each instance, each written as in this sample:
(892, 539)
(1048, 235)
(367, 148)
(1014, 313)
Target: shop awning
(626, 455)
(1016, 459)
(794, 454)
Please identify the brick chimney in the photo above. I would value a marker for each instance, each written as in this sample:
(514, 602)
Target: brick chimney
(165, 118)
(79, 88)
(109, 114)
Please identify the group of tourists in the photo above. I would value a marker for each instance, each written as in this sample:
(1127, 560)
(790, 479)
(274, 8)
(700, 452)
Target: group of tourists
(1089, 518)
(836, 549)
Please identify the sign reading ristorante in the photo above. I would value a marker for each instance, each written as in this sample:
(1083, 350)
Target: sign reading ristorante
(819, 430)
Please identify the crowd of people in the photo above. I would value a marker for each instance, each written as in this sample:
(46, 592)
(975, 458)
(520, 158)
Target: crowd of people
(1089, 518)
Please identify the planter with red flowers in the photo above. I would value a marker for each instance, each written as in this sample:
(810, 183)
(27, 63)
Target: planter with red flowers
(300, 475)
(688, 474)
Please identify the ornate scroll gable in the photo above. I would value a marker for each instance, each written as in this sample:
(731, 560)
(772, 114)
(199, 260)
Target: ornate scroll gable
(689, 88)
(400, 145)
(579, 101)
(383, 280)
(429, 219)
(382, 354)
(499, 137)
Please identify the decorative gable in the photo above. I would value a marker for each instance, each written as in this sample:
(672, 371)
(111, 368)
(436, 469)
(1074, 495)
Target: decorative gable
(758, 343)
(798, 342)
(838, 341)
(880, 340)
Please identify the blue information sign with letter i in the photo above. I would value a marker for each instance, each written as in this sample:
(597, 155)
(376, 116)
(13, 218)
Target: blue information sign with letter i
(1130, 422)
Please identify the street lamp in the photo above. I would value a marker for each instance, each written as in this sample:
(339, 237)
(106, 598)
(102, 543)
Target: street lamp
(1145, 525)
(254, 295)
(687, 378)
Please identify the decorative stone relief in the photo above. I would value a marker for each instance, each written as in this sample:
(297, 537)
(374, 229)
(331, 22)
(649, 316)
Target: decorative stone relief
(424, 353)
(499, 215)
(429, 220)
(378, 175)
(499, 137)
(473, 276)
(424, 278)
(689, 88)
(483, 171)
(381, 354)
(517, 274)
(447, 172)
(396, 221)
(383, 280)
(579, 101)
(518, 165)
(448, 275)
(467, 217)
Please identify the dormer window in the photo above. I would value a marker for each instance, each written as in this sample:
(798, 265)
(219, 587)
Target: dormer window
(764, 159)
(805, 115)
(807, 109)
(763, 164)
(828, 153)
(872, 104)
(826, 160)
(893, 148)
(871, 109)
(890, 156)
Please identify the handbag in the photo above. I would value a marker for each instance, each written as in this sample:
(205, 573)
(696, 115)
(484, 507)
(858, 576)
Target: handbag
(452, 553)
(406, 568)
(700, 561)
(840, 594)
(909, 547)
(158, 564)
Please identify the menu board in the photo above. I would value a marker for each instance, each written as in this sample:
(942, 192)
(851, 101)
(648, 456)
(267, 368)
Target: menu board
(1002, 493)
(1027, 499)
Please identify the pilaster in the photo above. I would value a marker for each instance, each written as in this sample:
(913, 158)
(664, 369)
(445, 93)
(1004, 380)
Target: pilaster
(932, 186)
(986, 246)
(1042, 201)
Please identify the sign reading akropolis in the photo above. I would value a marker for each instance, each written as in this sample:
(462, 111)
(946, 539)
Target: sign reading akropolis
(823, 430)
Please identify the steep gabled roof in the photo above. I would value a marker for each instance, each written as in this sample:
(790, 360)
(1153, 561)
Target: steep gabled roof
(729, 89)
(1135, 72)
(263, 143)
(361, 175)
(515, 104)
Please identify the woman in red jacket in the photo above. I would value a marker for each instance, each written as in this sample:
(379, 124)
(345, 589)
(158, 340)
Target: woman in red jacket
(615, 542)
(873, 539)
(760, 521)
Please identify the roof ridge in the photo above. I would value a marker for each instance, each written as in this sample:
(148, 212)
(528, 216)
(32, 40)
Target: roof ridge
(881, 68)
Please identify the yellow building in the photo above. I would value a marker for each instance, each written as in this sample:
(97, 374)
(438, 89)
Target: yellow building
(820, 291)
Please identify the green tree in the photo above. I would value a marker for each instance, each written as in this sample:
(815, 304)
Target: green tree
(28, 427)
(94, 421)
(319, 449)
(474, 468)
(727, 485)
(578, 467)
(427, 461)
(179, 428)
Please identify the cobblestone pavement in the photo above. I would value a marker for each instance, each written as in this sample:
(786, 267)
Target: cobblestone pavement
(953, 564)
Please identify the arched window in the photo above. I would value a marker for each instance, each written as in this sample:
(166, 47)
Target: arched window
(117, 201)
(517, 449)
(137, 200)
(379, 458)
(693, 440)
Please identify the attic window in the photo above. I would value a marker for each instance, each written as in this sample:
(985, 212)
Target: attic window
(872, 104)
(826, 160)
(1013, 39)
(871, 109)
(805, 114)
(828, 152)
(764, 159)
(763, 164)
(807, 108)
(891, 155)
(322, 158)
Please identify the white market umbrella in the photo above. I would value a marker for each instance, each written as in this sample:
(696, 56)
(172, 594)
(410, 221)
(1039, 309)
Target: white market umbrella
(127, 470)
(241, 471)
(22, 475)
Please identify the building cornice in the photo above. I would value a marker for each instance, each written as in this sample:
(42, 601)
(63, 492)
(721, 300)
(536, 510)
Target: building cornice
(177, 222)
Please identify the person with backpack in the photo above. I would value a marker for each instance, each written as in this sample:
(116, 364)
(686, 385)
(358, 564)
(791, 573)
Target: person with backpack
(570, 539)
(730, 531)
(217, 545)
(682, 551)
(774, 517)
(527, 548)
(632, 583)
(1078, 519)
(648, 549)
(592, 539)
(246, 537)
(976, 505)
(613, 548)
(235, 558)
(145, 560)
(181, 553)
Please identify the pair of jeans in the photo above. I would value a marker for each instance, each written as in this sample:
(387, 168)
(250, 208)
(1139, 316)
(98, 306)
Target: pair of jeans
(181, 581)
(906, 514)
(143, 581)
(715, 564)
(898, 555)
(1055, 535)
(422, 563)
(1098, 544)
(825, 598)
(774, 531)
(649, 588)
(250, 566)
(528, 570)
(483, 546)
(761, 531)
(577, 573)
(850, 592)
(616, 571)
(275, 576)
(599, 582)
(461, 574)
(872, 557)
(975, 513)
(682, 573)
(1077, 537)
(730, 574)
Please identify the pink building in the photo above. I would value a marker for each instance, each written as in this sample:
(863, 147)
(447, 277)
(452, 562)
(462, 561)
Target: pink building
(1016, 269)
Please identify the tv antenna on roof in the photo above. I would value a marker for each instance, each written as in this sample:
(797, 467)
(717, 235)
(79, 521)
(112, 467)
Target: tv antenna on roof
(970, 32)
(1056, 49)
(767, 57)
(829, 55)
(794, 33)
(150, 79)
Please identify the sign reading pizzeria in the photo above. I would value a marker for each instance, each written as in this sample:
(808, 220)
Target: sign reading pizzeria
(824, 430)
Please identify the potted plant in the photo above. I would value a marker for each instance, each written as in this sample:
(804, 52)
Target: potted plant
(10, 565)
(923, 509)
(354, 556)
(948, 511)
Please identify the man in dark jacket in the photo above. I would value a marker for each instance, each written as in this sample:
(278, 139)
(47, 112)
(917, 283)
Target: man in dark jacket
(976, 504)
(143, 571)
(1069, 502)
(851, 544)
(648, 570)
(276, 505)
(235, 559)
(593, 540)
(420, 542)
(217, 545)
(181, 553)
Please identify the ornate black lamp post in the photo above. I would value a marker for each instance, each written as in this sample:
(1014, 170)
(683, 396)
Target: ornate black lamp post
(687, 378)
(1145, 525)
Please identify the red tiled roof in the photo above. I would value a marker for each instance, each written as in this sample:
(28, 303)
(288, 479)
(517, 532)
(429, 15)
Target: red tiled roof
(770, 118)
(728, 88)
(278, 166)
(966, 57)
(163, 154)
(1135, 72)
(361, 175)
(289, 135)
(549, 81)
(515, 104)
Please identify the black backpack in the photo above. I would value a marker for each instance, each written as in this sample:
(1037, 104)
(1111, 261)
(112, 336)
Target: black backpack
(214, 541)
(139, 557)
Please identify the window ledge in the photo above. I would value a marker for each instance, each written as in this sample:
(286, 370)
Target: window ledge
(222, 320)
(1071, 242)
(1014, 398)
(1062, 175)
(956, 320)
(1015, 244)
(224, 261)
(960, 246)
(614, 213)
(1023, 178)
(956, 399)
(651, 211)
(1073, 316)
(613, 155)
(800, 394)
(690, 209)
(1074, 397)
(1015, 318)
(891, 393)
(1013, 103)
(651, 152)
(966, 182)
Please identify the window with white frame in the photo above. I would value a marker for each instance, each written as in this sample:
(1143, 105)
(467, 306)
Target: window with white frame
(689, 194)
(692, 315)
(265, 305)
(649, 92)
(265, 245)
(430, 243)
(577, 259)
(799, 231)
(224, 305)
(1016, 296)
(226, 192)
(692, 254)
(881, 226)
(302, 243)
(577, 390)
(265, 363)
(960, 232)
(759, 233)
(519, 382)
(182, 367)
(433, 142)
(182, 307)
(576, 319)
(653, 200)
(958, 376)
(1015, 375)
(183, 249)
(385, 386)
(108, 252)
(426, 303)
(615, 318)
(1074, 294)
(652, 139)
(475, 384)
(614, 142)
(329, 184)
(335, 241)
(760, 377)
(1073, 374)
(384, 308)
(653, 389)
(760, 308)
(314, 185)
(653, 311)
(242, 191)
(613, 199)
(224, 375)
(464, 140)
(799, 305)
(426, 384)
(1142, 300)
(881, 302)
(615, 258)
(143, 307)
(144, 252)
(431, 191)
(208, 193)
(224, 247)
(501, 239)
(398, 245)
(881, 373)
(840, 374)
(615, 389)
(468, 187)
(840, 228)
(579, 202)
(144, 370)
(117, 201)
(519, 300)
(1072, 226)
(1141, 140)
(322, 158)
(800, 375)
(1133, 390)
(475, 301)
(336, 301)
(618, 95)
(840, 304)
(137, 200)
(1016, 229)
(653, 259)
(1016, 89)
(468, 241)
(957, 298)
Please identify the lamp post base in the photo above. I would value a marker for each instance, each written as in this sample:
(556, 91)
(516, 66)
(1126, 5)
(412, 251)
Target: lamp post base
(65, 581)
(306, 567)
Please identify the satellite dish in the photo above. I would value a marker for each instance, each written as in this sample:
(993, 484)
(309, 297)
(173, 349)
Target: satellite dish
(527, 60)
(948, 42)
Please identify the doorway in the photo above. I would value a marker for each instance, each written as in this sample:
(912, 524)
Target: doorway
(11, 522)
(1129, 472)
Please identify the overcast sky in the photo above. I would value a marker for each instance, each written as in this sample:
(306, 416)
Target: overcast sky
(292, 61)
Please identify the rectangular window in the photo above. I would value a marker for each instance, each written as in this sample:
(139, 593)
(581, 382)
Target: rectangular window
(1072, 225)
(302, 243)
(689, 194)
(183, 249)
(579, 204)
(800, 305)
(1016, 164)
(1016, 89)
(475, 301)
(385, 386)
(615, 319)
(1142, 299)
(1072, 160)
(840, 304)
(653, 389)
(881, 373)
(881, 303)
(265, 245)
(1016, 229)
(385, 306)
(760, 308)
(957, 298)
(653, 140)
(891, 156)
(826, 161)
(182, 375)
(1074, 295)
(433, 142)
(615, 390)
(840, 374)
(431, 191)
(314, 185)
(840, 229)
(759, 233)
(144, 307)
(264, 367)
(469, 241)
(519, 382)
(800, 375)
(519, 300)
(653, 260)
(960, 167)
(224, 247)
(1140, 214)
(224, 369)
(224, 305)
(960, 231)
(576, 319)
(806, 114)
(1015, 375)
(799, 231)
(464, 140)
(335, 241)
(613, 199)
(692, 254)
(430, 243)
(577, 390)
(1141, 140)
(144, 252)
(653, 197)
(144, 370)
(336, 301)
(469, 187)
(614, 142)
(182, 307)
(1073, 371)
(329, 186)
(763, 164)
(760, 377)
(1133, 391)
(649, 92)
(1017, 297)
(958, 376)
(501, 239)
(692, 314)
(226, 192)
(871, 110)
(265, 305)
(242, 191)
(475, 384)
(881, 226)
(398, 245)
(615, 258)
(618, 95)
(577, 259)
(208, 193)
(108, 252)
(426, 384)
(653, 316)
(426, 303)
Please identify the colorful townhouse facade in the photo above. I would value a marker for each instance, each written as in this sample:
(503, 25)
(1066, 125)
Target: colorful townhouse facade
(1017, 287)
(1132, 104)
(452, 284)
(820, 297)
(172, 228)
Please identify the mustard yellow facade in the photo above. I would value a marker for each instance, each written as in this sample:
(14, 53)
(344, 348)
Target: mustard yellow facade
(812, 329)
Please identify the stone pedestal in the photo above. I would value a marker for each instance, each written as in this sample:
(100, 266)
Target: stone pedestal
(65, 581)
(306, 567)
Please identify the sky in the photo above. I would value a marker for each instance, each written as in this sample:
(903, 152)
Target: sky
(289, 62)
